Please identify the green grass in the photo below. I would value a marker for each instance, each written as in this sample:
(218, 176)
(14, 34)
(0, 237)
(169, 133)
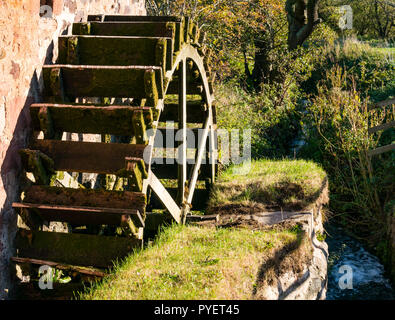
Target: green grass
(287, 184)
(190, 262)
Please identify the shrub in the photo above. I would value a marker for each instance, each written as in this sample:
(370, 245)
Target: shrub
(270, 114)
(337, 136)
(371, 69)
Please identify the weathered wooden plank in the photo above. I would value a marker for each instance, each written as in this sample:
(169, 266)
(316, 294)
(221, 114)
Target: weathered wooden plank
(132, 18)
(86, 198)
(82, 215)
(194, 87)
(131, 28)
(39, 164)
(85, 271)
(96, 17)
(165, 197)
(116, 120)
(213, 146)
(142, 28)
(92, 157)
(101, 81)
(113, 50)
(194, 135)
(74, 249)
(384, 103)
(382, 127)
(182, 125)
(387, 148)
(199, 200)
(196, 112)
(169, 170)
(198, 161)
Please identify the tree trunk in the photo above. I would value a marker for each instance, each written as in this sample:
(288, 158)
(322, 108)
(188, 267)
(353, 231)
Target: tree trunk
(302, 16)
(262, 65)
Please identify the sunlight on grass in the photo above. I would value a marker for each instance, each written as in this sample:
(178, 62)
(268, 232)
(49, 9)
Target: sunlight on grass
(194, 263)
(293, 184)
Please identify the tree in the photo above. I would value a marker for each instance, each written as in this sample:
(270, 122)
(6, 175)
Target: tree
(384, 14)
(237, 30)
(300, 28)
(371, 18)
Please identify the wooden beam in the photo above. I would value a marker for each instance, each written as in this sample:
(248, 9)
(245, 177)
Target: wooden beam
(382, 127)
(196, 112)
(170, 170)
(98, 81)
(136, 28)
(82, 215)
(42, 166)
(120, 17)
(384, 103)
(115, 51)
(92, 157)
(213, 147)
(387, 148)
(199, 200)
(182, 125)
(73, 248)
(85, 271)
(86, 118)
(198, 160)
(165, 197)
(47, 195)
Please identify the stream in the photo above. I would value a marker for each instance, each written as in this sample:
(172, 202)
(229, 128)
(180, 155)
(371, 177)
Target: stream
(348, 257)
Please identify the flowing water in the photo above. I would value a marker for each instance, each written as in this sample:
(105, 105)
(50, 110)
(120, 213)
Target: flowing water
(351, 265)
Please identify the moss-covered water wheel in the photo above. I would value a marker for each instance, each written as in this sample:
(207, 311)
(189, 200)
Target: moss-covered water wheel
(124, 78)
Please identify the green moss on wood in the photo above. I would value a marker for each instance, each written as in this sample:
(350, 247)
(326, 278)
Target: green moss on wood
(76, 249)
(160, 54)
(72, 51)
(82, 28)
(139, 127)
(39, 164)
(85, 197)
(46, 123)
(151, 90)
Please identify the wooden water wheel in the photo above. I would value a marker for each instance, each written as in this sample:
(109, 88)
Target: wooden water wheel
(121, 77)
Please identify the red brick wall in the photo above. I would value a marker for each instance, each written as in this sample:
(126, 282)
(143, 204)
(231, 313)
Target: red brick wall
(27, 41)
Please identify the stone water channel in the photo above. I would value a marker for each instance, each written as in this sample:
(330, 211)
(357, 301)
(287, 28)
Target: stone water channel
(369, 281)
(368, 278)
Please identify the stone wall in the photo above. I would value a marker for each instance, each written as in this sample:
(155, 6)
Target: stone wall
(310, 283)
(28, 39)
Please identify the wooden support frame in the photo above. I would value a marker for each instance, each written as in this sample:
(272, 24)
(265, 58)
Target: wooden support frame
(387, 148)
(198, 159)
(165, 197)
(39, 164)
(72, 50)
(55, 80)
(213, 147)
(182, 125)
(85, 271)
(382, 127)
(180, 208)
(97, 68)
(46, 124)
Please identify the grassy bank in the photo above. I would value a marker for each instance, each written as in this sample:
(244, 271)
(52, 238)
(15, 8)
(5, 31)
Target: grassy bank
(189, 262)
(266, 185)
(196, 262)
